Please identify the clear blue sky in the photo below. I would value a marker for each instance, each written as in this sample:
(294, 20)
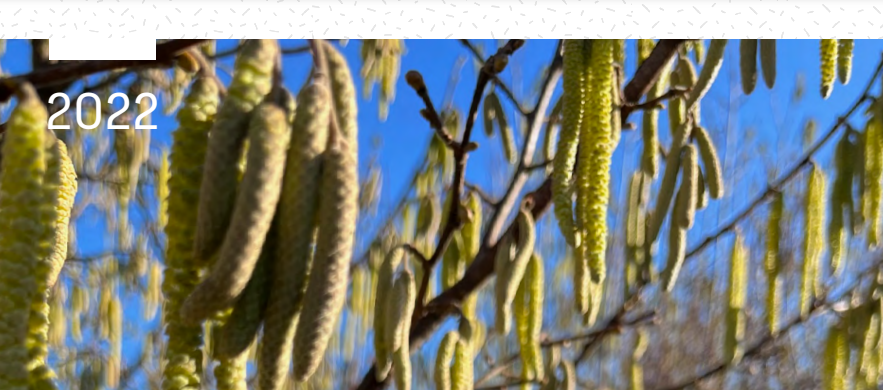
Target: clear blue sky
(765, 128)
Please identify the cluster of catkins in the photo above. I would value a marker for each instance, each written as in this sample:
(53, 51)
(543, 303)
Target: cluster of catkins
(276, 183)
(857, 328)
(37, 190)
(835, 59)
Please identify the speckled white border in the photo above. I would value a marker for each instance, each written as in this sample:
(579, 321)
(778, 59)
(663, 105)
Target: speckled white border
(440, 19)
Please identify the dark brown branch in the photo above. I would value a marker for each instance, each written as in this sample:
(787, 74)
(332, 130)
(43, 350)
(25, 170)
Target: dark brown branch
(60, 73)
(653, 104)
(538, 200)
(431, 115)
(503, 87)
(489, 200)
(415, 252)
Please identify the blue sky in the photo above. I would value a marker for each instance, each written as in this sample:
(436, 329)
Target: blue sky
(762, 127)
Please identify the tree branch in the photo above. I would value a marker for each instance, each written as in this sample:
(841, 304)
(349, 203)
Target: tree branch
(499, 83)
(538, 200)
(60, 73)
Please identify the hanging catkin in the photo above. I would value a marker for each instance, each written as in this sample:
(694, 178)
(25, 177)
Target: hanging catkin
(511, 274)
(844, 59)
(669, 179)
(21, 197)
(873, 179)
(593, 176)
(713, 176)
(748, 64)
(382, 312)
(529, 318)
(709, 71)
(237, 334)
(404, 295)
(690, 188)
(768, 61)
(297, 210)
(343, 92)
(217, 196)
(677, 240)
(338, 210)
(836, 358)
(183, 356)
(773, 261)
(828, 65)
(574, 82)
(737, 292)
(841, 200)
(462, 369)
(256, 201)
(813, 238)
(442, 373)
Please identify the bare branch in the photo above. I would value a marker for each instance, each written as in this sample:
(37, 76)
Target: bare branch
(503, 87)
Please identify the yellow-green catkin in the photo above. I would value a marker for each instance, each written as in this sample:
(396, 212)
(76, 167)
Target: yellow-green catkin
(828, 65)
(689, 188)
(677, 241)
(768, 61)
(645, 47)
(510, 275)
(873, 179)
(708, 74)
(529, 318)
(162, 190)
(252, 80)
(40, 375)
(841, 201)
(297, 210)
(569, 382)
(383, 312)
(494, 110)
(813, 238)
(453, 262)
(708, 152)
(574, 83)
(404, 295)
(256, 201)
(836, 358)
(773, 261)
(183, 356)
(636, 377)
(442, 372)
(238, 333)
(381, 60)
(748, 64)
(844, 59)
(737, 292)
(462, 368)
(338, 210)
(343, 92)
(21, 197)
(593, 176)
(650, 131)
(669, 179)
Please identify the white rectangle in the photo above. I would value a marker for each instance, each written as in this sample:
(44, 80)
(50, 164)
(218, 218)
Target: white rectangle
(129, 48)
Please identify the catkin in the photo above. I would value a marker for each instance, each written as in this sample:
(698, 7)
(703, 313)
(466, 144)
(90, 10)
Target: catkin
(813, 238)
(402, 360)
(773, 261)
(768, 61)
(574, 83)
(268, 137)
(343, 92)
(297, 209)
(669, 179)
(645, 47)
(844, 59)
(708, 152)
(442, 373)
(338, 210)
(569, 382)
(708, 74)
(502, 261)
(828, 63)
(513, 271)
(471, 230)
(836, 359)
(529, 318)
(21, 197)
(462, 369)
(183, 357)
(636, 378)
(702, 196)
(841, 200)
(506, 136)
(593, 177)
(489, 113)
(677, 241)
(748, 64)
(239, 331)
(737, 292)
(873, 179)
(404, 295)
(689, 186)
(650, 131)
(217, 196)
(382, 312)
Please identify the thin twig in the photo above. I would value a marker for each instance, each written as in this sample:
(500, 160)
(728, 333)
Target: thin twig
(482, 195)
(653, 104)
(503, 87)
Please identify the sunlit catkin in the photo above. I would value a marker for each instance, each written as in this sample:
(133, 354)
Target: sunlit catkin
(828, 64)
(873, 179)
(708, 74)
(256, 201)
(844, 59)
(773, 261)
(677, 243)
(217, 197)
(841, 200)
(442, 370)
(462, 369)
(688, 194)
(748, 64)
(529, 318)
(737, 292)
(836, 358)
(708, 152)
(593, 176)
(21, 196)
(404, 295)
(513, 272)
(383, 312)
(237, 334)
(338, 210)
(768, 61)
(669, 179)
(813, 237)
(574, 83)
(183, 356)
(343, 92)
(297, 211)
